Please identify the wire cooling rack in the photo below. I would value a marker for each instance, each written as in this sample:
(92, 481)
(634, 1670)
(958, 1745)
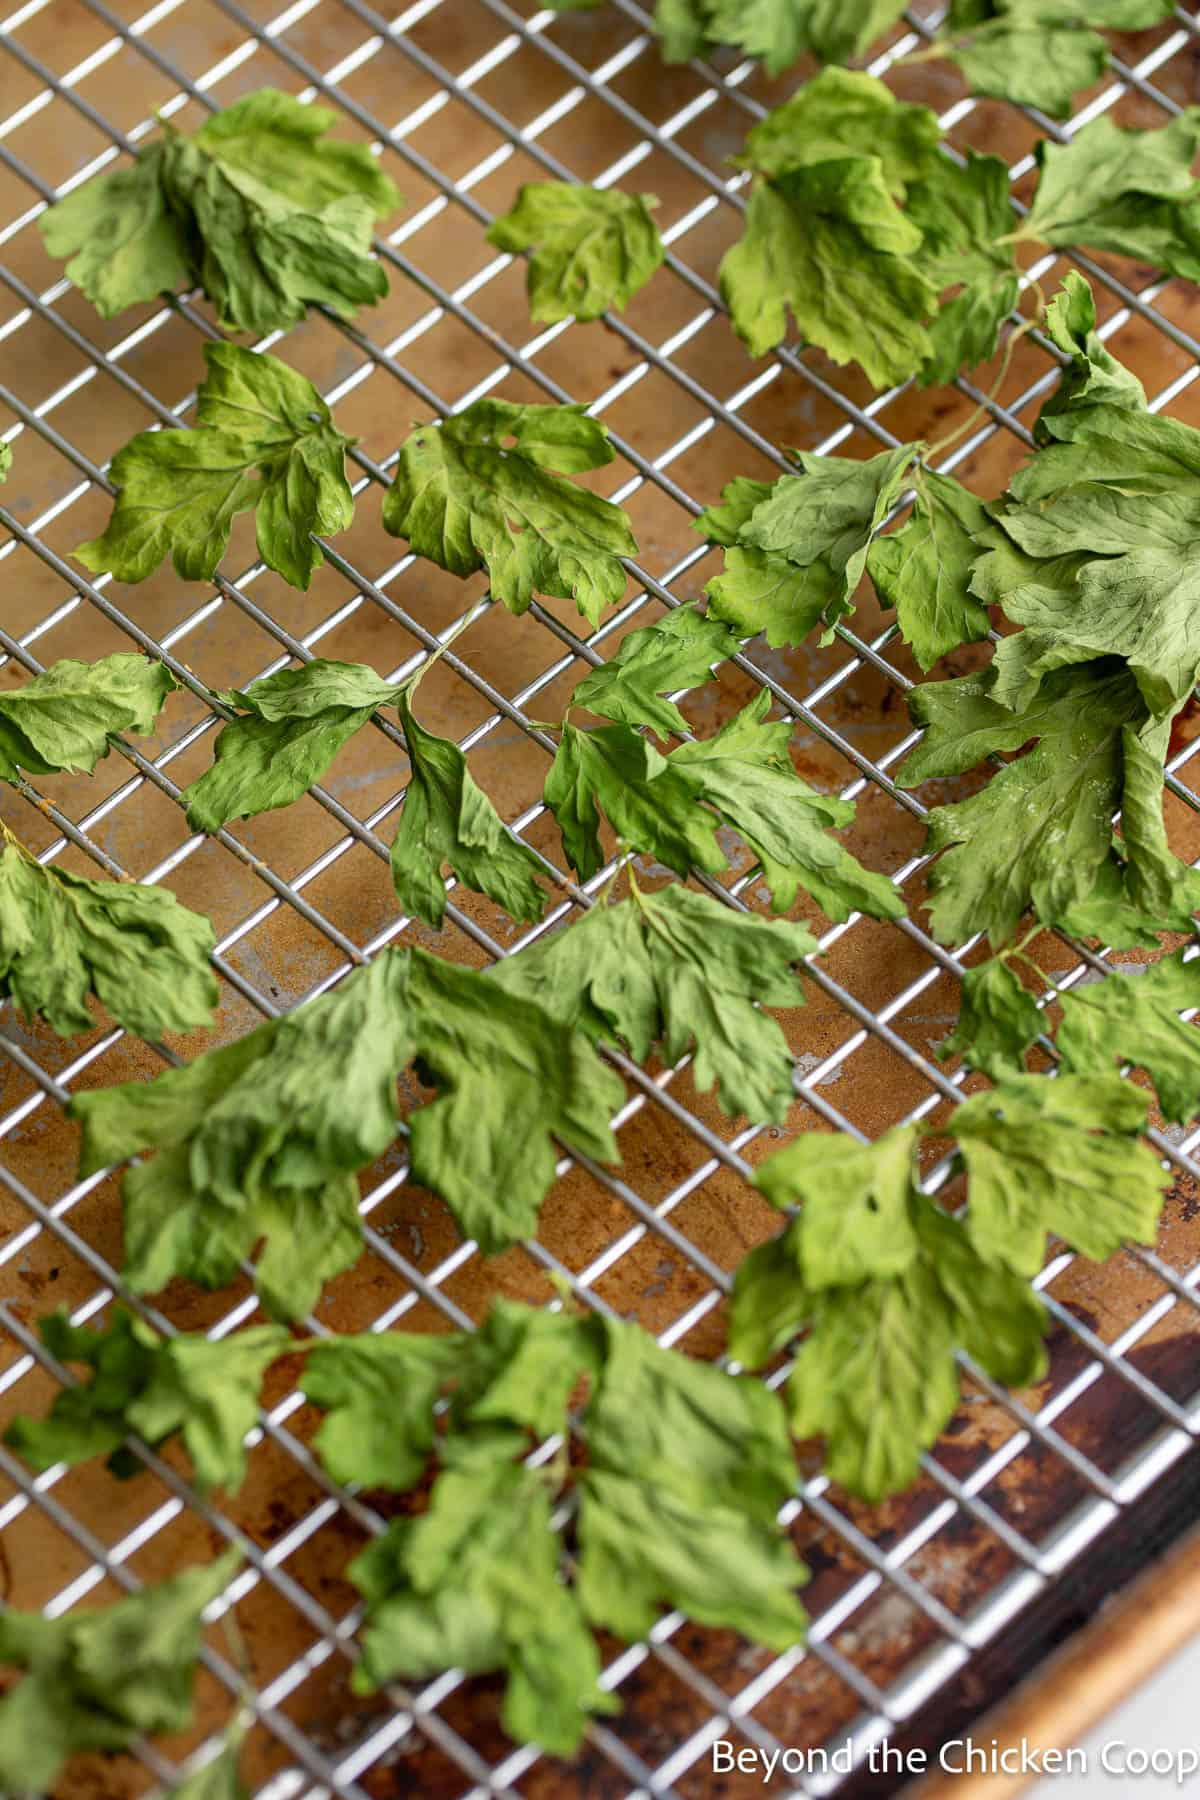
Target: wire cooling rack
(462, 101)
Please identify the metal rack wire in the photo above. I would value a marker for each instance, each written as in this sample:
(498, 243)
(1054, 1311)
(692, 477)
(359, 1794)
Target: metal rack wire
(885, 1563)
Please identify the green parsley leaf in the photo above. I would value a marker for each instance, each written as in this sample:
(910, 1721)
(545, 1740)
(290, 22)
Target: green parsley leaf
(6, 457)
(965, 214)
(97, 1680)
(123, 238)
(1135, 1018)
(876, 1374)
(89, 1420)
(259, 1139)
(447, 818)
(1039, 833)
(699, 1460)
(780, 32)
(924, 568)
(998, 1021)
(687, 1470)
(677, 968)
(806, 539)
(378, 1391)
(593, 248)
(844, 113)
(1121, 190)
(855, 1203)
(1029, 52)
(257, 207)
(480, 491)
(746, 772)
(143, 954)
(647, 801)
(676, 651)
(204, 1388)
(513, 1079)
(1061, 1156)
(264, 439)
(1095, 376)
(1155, 880)
(833, 214)
(69, 716)
(295, 724)
(474, 1583)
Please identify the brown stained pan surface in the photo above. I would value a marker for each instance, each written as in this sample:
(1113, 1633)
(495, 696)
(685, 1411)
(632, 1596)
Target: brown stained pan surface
(669, 1695)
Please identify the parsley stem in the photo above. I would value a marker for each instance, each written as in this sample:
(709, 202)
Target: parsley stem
(456, 630)
(10, 837)
(981, 410)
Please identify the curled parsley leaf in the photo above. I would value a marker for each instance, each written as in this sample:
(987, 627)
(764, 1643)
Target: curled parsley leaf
(486, 489)
(661, 805)
(889, 1287)
(68, 716)
(204, 1388)
(293, 726)
(97, 1680)
(260, 1139)
(687, 1468)
(593, 248)
(265, 440)
(679, 969)
(257, 207)
(849, 177)
(62, 938)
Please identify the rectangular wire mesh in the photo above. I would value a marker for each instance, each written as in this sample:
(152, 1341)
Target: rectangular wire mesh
(463, 102)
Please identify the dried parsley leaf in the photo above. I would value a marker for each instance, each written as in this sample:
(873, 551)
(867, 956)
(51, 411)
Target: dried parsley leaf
(746, 772)
(798, 547)
(676, 651)
(1123, 190)
(475, 1583)
(264, 439)
(206, 1389)
(593, 248)
(998, 1021)
(687, 1470)
(835, 214)
(447, 818)
(513, 1079)
(924, 569)
(68, 716)
(876, 1375)
(780, 32)
(677, 968)
(143, 954)
(257, 207)
(294, 725)
(486, 489)
(1039, 833)
(1134, 1018)
(98, 1680)
(647, 801)
(1061, 1156)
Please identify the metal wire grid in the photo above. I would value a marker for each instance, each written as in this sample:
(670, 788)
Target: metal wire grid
(316, 1771)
